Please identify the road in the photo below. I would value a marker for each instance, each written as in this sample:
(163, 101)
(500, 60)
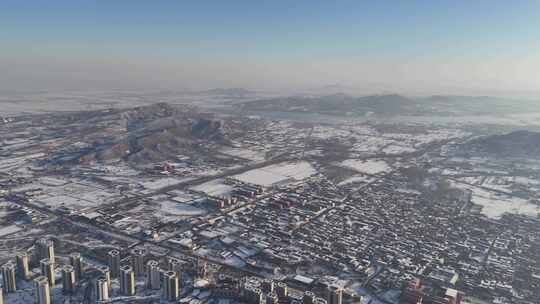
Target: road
(120, 235)
(117, 234)
(124, 201)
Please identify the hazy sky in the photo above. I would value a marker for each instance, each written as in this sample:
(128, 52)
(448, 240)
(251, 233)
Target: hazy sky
(415, 47)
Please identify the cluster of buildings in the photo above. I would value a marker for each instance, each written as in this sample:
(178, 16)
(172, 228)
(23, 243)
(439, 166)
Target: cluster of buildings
(255, 290)
(308, 234)
(416, 292)
(46, 279)
(167, 278)
(78, 276)
(386, 236)
(242, 192)
(137, 272)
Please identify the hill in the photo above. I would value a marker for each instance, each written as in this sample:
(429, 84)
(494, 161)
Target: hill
(514, 144)
(338, 104)
(229, 92)
(141, 135)
(394, 104)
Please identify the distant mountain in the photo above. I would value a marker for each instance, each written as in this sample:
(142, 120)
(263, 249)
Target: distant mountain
(394, 104)
(335, 104)
(229, 92)
(387, 104)
(514, 144)
(479, 105)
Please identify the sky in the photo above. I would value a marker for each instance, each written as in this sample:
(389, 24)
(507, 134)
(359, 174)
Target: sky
(410, 47)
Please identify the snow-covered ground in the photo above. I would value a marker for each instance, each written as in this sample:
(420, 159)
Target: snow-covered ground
(498, 183)
(277, 174)
(156, 184)
(494, 205)
(506, 184)
(326, 132)
(366, 166)
(244, 153)
(72, 194)
(397, 149)
(180, 209)
(261, 177)
(371, 144)
(359, 178)
(182, 196)
(214, 187)
(53, 182)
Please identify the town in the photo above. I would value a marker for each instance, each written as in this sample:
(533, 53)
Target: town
(221, 209)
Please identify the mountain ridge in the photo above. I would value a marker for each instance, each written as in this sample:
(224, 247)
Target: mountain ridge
(392, 104)
(521, 143)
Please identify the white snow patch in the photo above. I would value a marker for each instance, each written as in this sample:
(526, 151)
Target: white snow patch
(356, 179)
(277, 174)
(214, 187)
(244, 153)
(366, 166)
(157, 184)
(180, 209)
(496, 204)
(395, 149)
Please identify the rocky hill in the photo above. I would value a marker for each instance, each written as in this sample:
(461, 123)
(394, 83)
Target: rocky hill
(141, 135)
